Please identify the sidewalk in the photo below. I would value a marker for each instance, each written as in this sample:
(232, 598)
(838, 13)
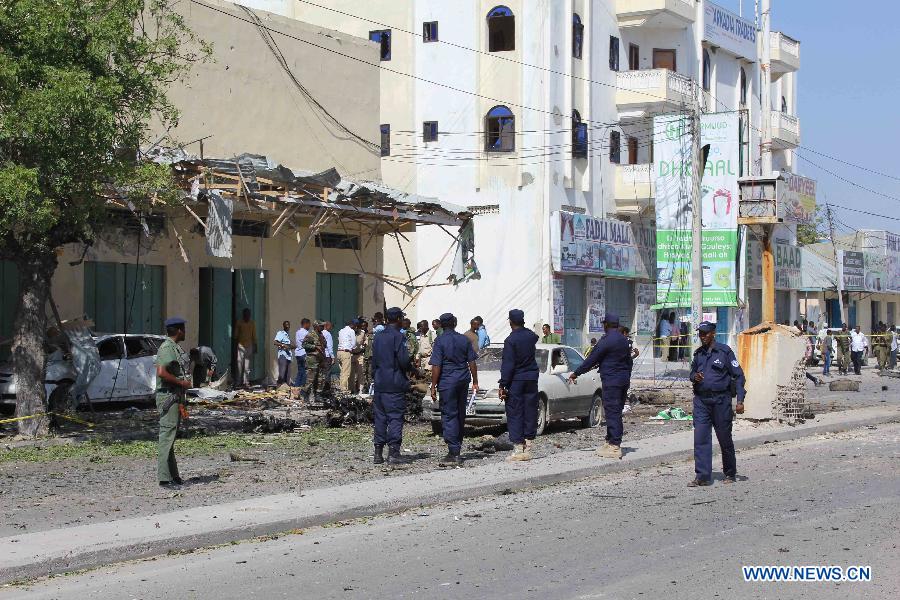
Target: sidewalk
(55, 551)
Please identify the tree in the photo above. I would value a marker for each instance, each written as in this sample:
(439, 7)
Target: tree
(80, 82)
(809, 234)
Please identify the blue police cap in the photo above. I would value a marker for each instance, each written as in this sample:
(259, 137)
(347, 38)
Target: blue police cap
(706, 327)
(611, 319)
(175, 321)
(447, 318)
(517, 316)
(394, 313)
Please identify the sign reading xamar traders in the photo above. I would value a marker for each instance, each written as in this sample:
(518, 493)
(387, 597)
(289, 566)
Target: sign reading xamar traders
(719, 202)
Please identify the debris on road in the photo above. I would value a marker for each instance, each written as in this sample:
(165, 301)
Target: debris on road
(672, 414)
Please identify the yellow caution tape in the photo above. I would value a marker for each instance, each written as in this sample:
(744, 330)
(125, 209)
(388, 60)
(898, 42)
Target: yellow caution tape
(48, 414)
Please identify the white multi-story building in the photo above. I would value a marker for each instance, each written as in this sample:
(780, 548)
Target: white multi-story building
(525, 109)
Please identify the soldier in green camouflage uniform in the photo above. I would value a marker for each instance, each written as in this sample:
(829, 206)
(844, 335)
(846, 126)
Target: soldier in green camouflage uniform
(172, 378)
(842, 338)
(315, 360)
(412, 344)
(881, 345)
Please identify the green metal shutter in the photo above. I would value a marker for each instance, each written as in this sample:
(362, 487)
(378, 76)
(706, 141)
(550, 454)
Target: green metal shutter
(216, 313)
(337, 298)
(122, 298)
(9, 300)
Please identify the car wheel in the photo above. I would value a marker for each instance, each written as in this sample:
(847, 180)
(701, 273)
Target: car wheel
(437, 428)
(595, 417)
(542, 415)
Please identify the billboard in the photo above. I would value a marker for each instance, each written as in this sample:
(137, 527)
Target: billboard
(609, 247)
(788, 266)
(719, 206)
(869, 272)
(798, 195)
(729, 31)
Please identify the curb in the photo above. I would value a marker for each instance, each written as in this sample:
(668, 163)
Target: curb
(272, 515)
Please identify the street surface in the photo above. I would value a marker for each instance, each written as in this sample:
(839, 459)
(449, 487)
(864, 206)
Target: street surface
(826, 500)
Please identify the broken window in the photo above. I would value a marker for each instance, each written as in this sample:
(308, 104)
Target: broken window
(430, 131)
(337, 241)
(579, 136)
(383, 38)
(385, 140)
(577, 36)
(248, 228)
(110, 349)
(501, 30)
(500, 126)
(430, 32)
(130, 222)
(613, 53)
(139, 346)
(615, 147)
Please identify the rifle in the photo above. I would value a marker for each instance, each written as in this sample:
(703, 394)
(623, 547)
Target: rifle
(178, 395)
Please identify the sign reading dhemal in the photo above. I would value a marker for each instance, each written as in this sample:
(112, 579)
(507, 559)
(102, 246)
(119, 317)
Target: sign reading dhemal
(719, 207)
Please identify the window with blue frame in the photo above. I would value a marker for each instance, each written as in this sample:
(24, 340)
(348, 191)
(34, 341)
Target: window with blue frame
(577, 36)
(430, 31)
(501, 29)
(430, 131)
(385, 140)
(613, 53)
(615, 147)
(500, 129)
(579, 136)
(383, 38)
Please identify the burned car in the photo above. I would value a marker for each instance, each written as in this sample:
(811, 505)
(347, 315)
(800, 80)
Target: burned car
(126, 371)
(558, 399)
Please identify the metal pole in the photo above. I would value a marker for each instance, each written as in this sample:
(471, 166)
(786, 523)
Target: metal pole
(837, 269)
(768, 278)
(766, 113)
(696, 227)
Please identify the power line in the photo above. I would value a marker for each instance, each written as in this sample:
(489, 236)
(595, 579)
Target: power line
(848, 181)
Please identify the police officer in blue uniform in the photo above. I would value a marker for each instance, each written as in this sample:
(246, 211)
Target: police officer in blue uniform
(519, 386)
(452, 367)
(717, 377)
(613, 356)
(391, 365)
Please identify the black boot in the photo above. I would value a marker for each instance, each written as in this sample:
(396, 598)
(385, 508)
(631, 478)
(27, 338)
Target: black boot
(378, 458)
(395, 458)
(451, 460)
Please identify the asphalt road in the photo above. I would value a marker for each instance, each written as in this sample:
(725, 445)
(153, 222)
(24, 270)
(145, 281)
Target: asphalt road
(827, 500)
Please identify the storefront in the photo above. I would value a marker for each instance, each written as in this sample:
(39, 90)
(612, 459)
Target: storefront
(600, 266)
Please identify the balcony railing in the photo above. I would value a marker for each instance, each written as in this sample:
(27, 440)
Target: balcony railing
(652, 89)
(635, 187)
(785, 53)
(785, 130)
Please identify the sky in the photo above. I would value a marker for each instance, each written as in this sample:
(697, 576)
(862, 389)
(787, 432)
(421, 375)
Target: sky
(847, 101)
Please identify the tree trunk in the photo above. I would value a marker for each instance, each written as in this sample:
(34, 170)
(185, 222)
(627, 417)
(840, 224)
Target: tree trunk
(29, 328)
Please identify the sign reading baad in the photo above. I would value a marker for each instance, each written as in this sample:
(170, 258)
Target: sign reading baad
(798, 194)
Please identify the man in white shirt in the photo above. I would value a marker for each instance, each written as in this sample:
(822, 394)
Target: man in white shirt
(329, 354)
(858, 344)
(300, 353)
(346, 345)
(895, 346)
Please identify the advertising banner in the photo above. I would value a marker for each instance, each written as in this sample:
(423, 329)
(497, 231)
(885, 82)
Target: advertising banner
(853, 270)
(559, 306)
(596, 303)
(719, 205)
(799, 199)
(592, 246)
(788, 266)
(645, 318)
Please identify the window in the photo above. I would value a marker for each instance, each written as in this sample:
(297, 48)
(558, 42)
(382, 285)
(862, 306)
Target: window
(579, 136)
(632, 151)
(500, 125)
(615, 147)
(573, 358)
(501, 30)
(707, 70)
(743, 86)
(382, 37)
(129, 222)
(664, 59)
(613, 53)
(634, 57)
(784, 104)
(430, 32)
(558, 359)
(247, 228)
(110, 349)
(337, 241)
(430, 131)
(138, 347)
(577, 36)
(385, 140)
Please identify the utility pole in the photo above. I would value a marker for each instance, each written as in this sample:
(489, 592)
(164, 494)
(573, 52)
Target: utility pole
(768, 258)
(697, 167)
(837, 267)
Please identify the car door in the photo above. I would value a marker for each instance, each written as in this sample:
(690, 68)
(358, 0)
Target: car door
(112, 380)
(141, 357)
(583, 390)
(564, 404)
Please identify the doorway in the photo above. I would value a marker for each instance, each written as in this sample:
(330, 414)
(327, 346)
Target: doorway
(337, 298)
(575, 313)
(664, 59)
